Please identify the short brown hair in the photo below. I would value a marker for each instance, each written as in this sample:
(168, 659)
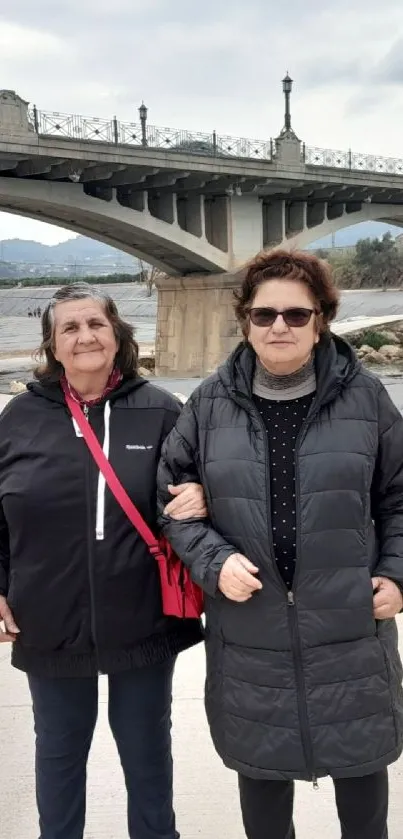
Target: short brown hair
(302, 267)
(50, 370)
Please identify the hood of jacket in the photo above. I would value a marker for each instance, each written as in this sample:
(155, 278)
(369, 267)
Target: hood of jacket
(336, 364)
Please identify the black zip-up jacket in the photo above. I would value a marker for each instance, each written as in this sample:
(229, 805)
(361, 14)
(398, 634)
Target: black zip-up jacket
(307, 683)
(82, 586)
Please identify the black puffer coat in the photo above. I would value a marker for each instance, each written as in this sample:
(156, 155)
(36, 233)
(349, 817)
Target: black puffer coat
(307, 686)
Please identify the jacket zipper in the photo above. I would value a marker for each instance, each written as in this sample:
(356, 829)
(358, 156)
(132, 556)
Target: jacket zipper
(101, 486)
(290, 595)
(90, 538)
(299, 670)
(293, 612)
(302, 700)
(240, 398)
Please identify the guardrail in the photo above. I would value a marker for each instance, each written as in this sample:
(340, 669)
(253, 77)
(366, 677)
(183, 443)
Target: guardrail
(73, 126)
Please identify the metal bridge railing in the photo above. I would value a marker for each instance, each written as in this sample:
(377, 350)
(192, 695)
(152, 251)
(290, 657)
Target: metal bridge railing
(73, 126)
(353, 161)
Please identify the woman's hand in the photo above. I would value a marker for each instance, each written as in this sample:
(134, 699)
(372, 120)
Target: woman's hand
(189, 502)
(388, 599)
(6, 619)
(236, 580)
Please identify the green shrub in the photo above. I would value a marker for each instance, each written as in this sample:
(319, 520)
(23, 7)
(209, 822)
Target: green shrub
(372, 338)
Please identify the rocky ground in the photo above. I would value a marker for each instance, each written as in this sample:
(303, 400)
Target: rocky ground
(16, 371)
(379, 347)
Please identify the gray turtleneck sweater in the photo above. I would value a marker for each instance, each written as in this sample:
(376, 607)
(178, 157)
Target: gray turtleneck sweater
(283, 403)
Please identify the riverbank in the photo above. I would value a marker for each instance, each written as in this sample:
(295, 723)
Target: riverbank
(16, 368)
(20, 335)
(19, 366)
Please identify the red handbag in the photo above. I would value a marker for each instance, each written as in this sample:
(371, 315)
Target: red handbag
(181, 597)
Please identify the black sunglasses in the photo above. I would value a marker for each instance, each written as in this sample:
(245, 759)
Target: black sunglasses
(266, 316)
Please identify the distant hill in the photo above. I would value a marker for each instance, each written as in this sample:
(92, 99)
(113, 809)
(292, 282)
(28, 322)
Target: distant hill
(80, 255)
(349, 236)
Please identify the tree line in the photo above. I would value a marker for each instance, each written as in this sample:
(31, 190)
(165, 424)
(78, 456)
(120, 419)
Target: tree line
(109, 279)
(373, 263)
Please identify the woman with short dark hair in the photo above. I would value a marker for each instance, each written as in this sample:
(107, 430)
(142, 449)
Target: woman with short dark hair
(300, 453)
(79, 590)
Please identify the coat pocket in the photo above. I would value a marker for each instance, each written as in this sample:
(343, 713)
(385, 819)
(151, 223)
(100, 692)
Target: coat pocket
(369, 599)
(11, 589)
(388, 641)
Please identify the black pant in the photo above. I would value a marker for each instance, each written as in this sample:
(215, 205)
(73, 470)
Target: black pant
(65, 712)
(362, 805)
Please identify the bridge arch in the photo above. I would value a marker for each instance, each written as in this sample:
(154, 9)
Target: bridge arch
(165, 245)
(390, 214)
(138, 233)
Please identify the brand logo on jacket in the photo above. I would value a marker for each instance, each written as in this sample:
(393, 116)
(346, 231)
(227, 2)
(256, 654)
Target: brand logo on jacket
(137, 448)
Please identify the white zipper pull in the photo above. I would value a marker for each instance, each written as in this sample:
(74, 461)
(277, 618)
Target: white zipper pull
(100, 509)
(290, 598)
(85, 410)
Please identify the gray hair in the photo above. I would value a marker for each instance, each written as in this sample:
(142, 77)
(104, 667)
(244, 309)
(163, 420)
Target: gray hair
(77, 291)
(50, 370)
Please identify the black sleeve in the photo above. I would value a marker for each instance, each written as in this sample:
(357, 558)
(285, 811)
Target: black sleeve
(199, 546)
(4, 554)
(387, 490)
(170, 419)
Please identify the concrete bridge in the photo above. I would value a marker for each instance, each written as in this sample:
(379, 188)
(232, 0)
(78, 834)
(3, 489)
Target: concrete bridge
(198, 206)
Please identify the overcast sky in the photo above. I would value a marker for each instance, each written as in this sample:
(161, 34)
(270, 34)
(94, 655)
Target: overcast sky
(217, 64)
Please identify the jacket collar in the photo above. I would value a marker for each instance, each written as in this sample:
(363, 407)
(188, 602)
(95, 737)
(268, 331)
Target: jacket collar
(114, 380)
(335, 361)
(54, 393)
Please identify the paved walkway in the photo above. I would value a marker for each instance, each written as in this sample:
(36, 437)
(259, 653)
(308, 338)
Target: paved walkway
(206, 796)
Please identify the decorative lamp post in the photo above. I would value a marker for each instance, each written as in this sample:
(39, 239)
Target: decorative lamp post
(143, 120)
(287, 148)
(287, 89)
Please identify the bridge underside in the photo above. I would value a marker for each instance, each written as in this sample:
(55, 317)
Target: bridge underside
(187, 212)
(223, 231)
(137, 232)
(199, 220)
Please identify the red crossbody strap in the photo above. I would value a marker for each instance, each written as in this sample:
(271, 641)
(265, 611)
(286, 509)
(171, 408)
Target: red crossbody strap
(111, 478)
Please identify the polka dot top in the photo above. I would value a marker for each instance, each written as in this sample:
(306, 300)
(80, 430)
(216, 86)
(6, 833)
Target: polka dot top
(283, 421)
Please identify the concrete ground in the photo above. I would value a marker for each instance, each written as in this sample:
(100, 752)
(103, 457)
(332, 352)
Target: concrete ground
(205, 792)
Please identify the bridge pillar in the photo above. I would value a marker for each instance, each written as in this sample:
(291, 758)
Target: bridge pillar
(316, 213)
(216, 221)
(296, 217)
(245, 227)
(196, 324)
(191, 214)
(274, 227)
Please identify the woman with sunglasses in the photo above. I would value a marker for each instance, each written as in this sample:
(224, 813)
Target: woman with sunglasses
(300, 453)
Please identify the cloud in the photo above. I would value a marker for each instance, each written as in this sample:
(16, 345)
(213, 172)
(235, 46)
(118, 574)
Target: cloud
(215, 64)
(20, 44)
(211, 65)
(389, 70)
